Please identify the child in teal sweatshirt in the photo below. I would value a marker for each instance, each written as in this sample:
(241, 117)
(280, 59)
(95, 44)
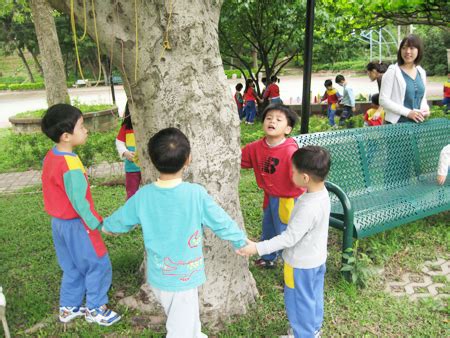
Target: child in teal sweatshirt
(172, 214)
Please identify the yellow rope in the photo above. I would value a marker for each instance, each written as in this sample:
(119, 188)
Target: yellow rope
(137, 43)
(74, 32)
(166, 42)
(98, 46)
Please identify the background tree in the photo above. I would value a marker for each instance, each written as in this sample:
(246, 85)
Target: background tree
(52, 63)
(275, 31)
(181, 85)
(17, 33)
(363, 14)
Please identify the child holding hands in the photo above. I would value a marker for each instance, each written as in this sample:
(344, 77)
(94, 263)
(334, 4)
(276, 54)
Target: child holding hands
(172, 214)
(304, 243)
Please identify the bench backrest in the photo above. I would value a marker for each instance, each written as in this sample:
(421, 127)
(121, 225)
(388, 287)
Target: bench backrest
(384, 157)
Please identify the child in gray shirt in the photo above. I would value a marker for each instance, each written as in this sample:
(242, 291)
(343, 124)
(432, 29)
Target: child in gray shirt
(304, 243)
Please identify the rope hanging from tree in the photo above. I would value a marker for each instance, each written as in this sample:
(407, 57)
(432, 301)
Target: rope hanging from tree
(166, 42)
(76, 39)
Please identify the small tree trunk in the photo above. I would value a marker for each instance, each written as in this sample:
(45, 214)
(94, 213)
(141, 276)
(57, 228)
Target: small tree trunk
(38, 64)
(24, 60)
(52, 62)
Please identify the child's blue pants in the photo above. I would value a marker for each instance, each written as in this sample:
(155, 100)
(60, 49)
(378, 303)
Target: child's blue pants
(275, 219)
(331, 114)
(84, 273)
(303, 298)
(250, 111)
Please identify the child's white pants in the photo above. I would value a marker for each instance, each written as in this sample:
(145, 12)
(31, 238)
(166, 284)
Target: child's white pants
(183, 313)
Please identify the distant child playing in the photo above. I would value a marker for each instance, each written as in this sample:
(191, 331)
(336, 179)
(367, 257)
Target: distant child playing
(270, 159)
(273, 91)
(446, 99)
(239, 100)
(304, 243)
(332, 96)
(374, 116)
(172, 214)
(126, 147)
(250, 98)
(348, 99)
(80, 250)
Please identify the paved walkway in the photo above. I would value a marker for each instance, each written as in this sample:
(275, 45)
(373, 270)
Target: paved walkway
(430, 283)
(11, 182)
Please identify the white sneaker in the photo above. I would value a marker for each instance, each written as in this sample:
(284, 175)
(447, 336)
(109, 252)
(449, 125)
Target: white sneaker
(102, 316)
(67, 313)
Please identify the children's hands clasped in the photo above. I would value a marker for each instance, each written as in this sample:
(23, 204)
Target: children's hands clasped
(129, 155)
(248, 250)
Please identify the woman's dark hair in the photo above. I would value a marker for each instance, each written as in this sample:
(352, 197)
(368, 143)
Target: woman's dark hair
(290, 115)
(169, 149)
(376, 99)
(328, 83)
(59, 119)
(411, 41)
(312, 160)
(239, 87)
(248, 82)
(127, 118)
(380, 67)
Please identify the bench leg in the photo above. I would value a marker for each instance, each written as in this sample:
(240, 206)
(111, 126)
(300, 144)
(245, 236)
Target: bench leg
(346, 244)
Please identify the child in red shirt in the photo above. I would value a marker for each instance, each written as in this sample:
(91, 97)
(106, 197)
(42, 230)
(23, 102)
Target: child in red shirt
(270, 159)
(250, 98)
(332, 96)
(79, 247)
(273, 91)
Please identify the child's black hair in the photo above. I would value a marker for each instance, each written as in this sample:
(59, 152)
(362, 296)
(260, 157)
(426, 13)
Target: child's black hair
(264, 80)
(380, 67)
(59, 119)
(290, 115)
(328, 83)
(127, 118)
(339, 78)
(274, 79)
(239, 87)
(376, 99)
(312, 160)
(169, 149)
(248, 82)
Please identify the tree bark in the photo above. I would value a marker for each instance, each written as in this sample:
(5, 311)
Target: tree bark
(24, 60)
(183, 87)
(52, 62)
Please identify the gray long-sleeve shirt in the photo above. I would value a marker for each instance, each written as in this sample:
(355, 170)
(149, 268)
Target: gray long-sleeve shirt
(305, 239)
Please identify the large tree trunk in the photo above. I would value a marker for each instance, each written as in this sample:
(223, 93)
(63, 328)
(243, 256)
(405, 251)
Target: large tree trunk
(183, 87)
(52, 62)
(25, 62)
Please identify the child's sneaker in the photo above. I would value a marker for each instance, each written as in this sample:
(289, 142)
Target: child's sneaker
(102, 316)
(67, 313)
(262, 263)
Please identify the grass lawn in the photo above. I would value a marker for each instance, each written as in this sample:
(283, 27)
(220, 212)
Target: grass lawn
(30, 275)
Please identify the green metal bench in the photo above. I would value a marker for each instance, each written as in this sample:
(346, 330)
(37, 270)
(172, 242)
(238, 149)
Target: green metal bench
(383, 177)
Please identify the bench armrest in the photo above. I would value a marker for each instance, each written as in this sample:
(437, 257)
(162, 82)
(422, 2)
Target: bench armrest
(341, 195)
(346, 204)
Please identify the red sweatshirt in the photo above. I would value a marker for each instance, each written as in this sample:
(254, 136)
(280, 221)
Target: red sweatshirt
(67, 194)
(272, 167)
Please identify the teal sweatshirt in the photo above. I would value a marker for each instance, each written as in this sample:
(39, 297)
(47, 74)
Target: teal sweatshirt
(171, 221)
